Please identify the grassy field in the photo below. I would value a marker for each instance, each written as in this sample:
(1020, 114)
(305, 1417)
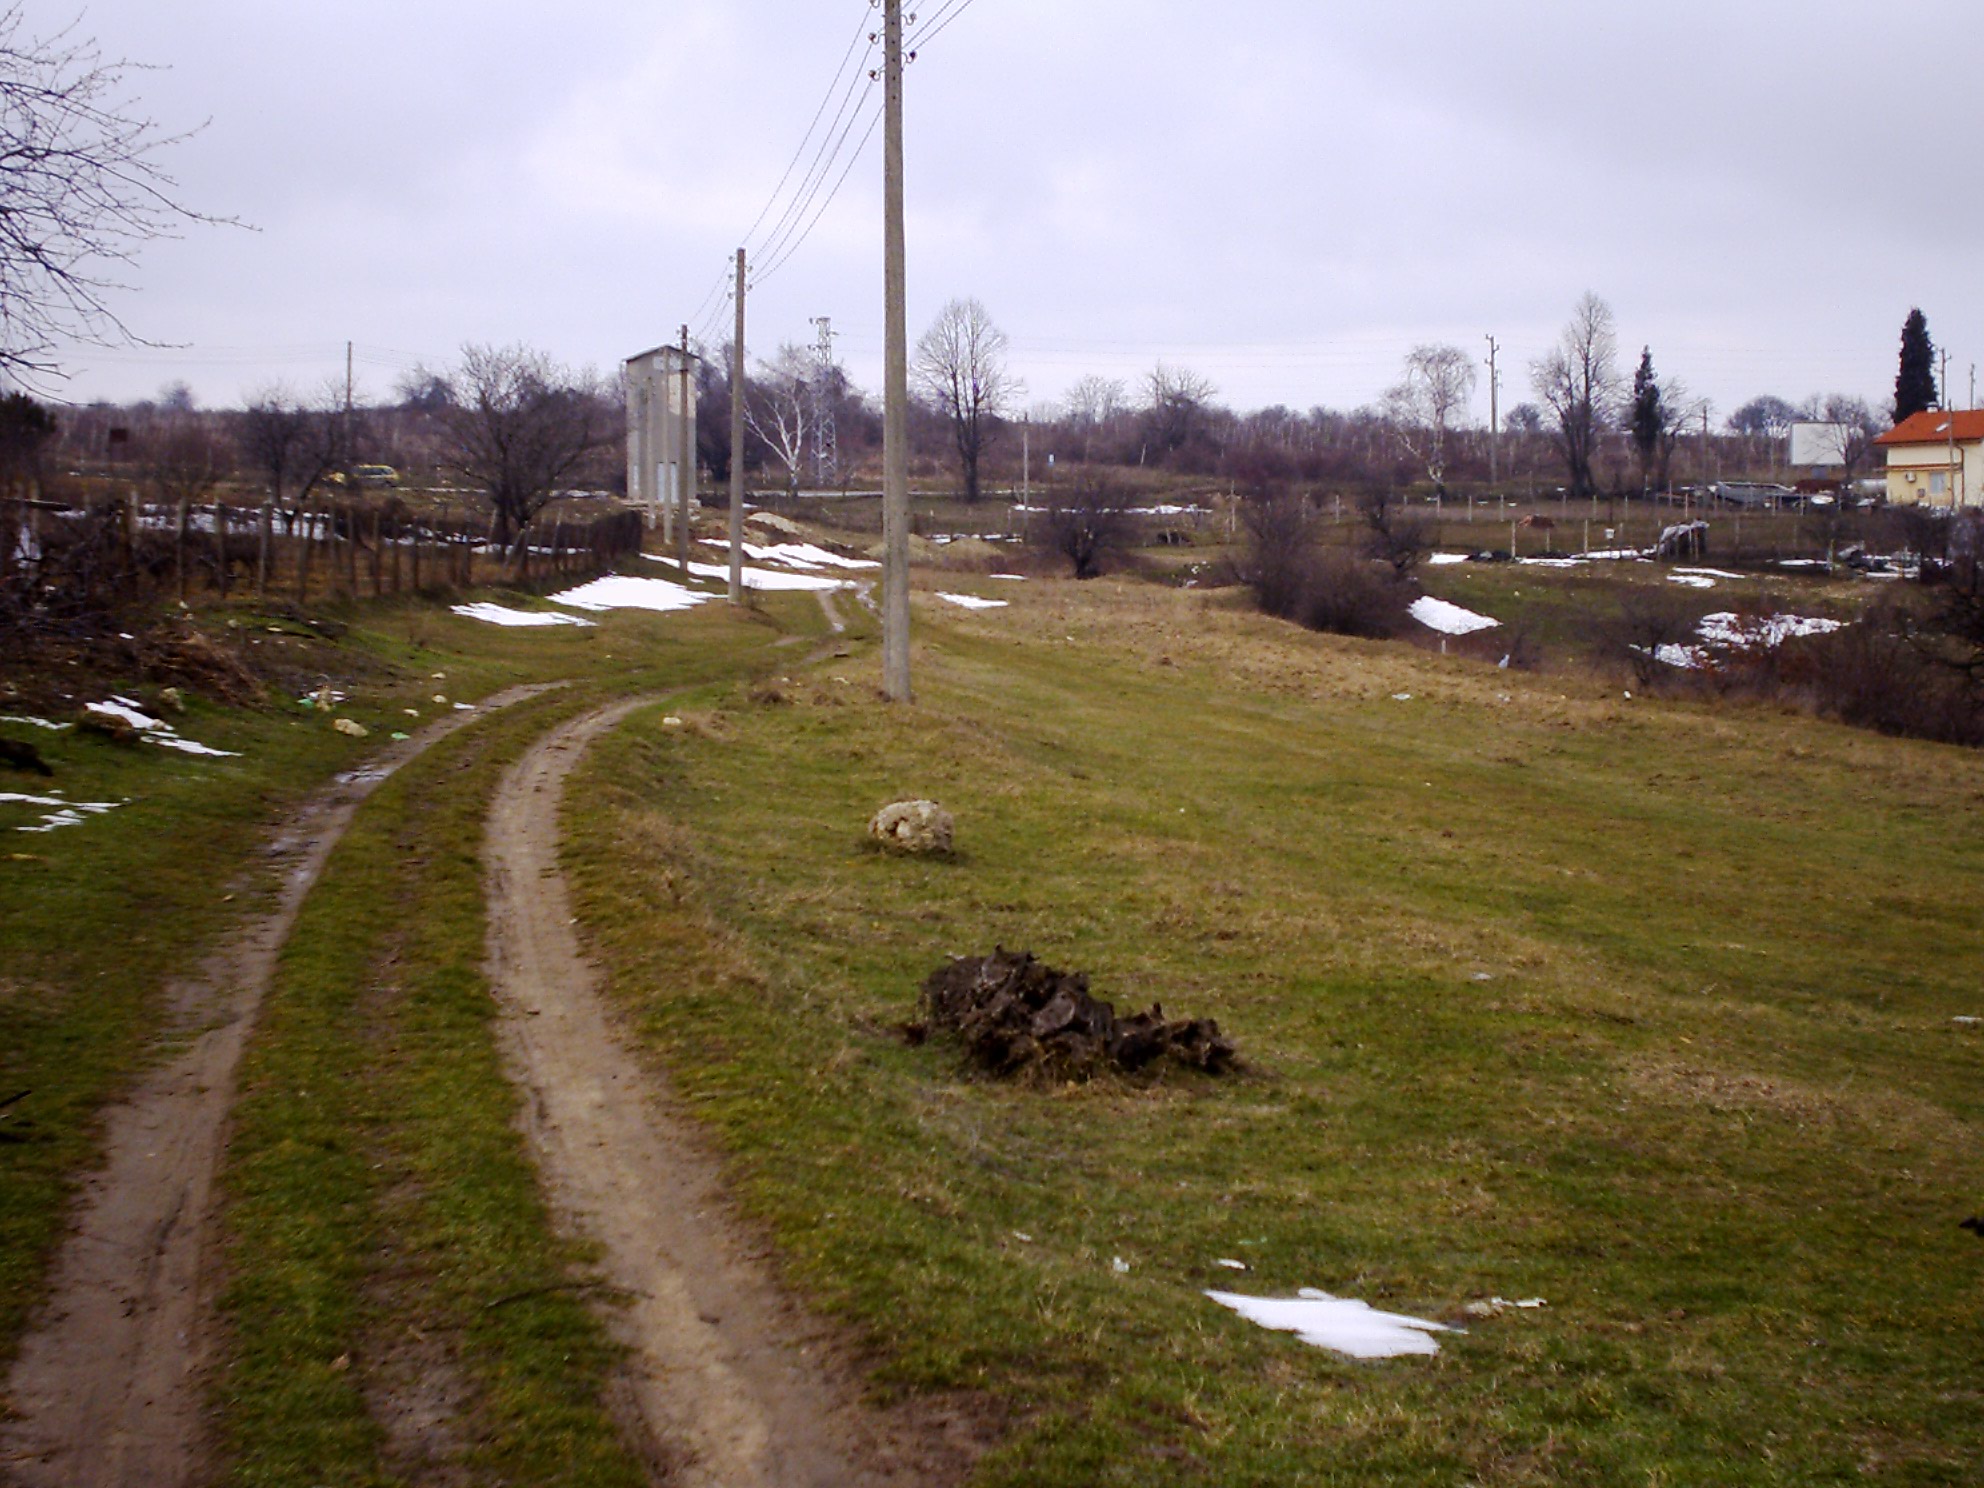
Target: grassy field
(1646, 1009)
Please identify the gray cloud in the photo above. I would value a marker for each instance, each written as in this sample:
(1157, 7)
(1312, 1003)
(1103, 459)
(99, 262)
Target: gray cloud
(1286, 196)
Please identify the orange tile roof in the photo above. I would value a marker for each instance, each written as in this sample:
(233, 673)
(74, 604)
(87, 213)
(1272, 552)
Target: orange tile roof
(1933, 427)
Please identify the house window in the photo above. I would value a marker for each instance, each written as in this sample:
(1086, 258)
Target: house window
(1936, 483)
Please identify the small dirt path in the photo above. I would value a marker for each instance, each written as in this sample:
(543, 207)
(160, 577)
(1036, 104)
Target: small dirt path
(733, 1385)
(106, 1392)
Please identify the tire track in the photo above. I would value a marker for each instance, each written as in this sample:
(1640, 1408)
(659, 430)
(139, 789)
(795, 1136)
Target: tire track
(106, 1392)
(737, 1387)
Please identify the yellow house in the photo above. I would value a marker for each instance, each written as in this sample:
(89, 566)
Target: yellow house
(1936, 458)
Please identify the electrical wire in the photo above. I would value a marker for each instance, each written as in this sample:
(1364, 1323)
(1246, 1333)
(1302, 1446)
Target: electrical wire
(824, 160)
(832, 87)
(916, 32)
(939, 23)
(799, 242)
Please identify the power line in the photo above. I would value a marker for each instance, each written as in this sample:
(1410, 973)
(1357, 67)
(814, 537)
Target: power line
(940, 23)
(860, 29)
(930, 21)
(824, 160)
(799, 242)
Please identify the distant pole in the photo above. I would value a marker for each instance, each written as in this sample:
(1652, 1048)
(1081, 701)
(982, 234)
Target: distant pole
(737, 446)
(685, 465)
(895, 379)
(347, 379)
(1494, 418)
(1026, 457)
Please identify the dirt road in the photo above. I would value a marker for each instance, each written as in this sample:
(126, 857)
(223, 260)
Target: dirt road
(729, 1379)
(106, 1390)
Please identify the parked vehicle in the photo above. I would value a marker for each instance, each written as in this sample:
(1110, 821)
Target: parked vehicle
(1753, 495)
(366, 475)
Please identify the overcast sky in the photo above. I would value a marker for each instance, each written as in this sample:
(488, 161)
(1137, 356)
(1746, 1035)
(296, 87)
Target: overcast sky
(1284, 196)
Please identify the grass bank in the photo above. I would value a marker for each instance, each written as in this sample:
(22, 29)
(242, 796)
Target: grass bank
(1646, 1010)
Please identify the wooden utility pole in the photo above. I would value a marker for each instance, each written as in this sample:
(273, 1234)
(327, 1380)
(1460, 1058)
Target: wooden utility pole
(685, 483)
(895, 376)
(737, 445)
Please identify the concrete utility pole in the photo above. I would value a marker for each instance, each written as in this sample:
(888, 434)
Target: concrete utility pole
(895, 377)
(737, 446)
(1494, 412)
(685, 484)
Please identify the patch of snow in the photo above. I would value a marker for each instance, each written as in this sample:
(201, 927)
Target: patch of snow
(64, 814)
(1710, 573)
(972, 601)
(35, 722)
(1449, 619)
(1232, 1265)
(1342, 1324)
(765, 580)
(188, 746)
(1440, 560)
(1691, 581)
(125, 709)
(618, 592)
(1552, 562)
(1016, 578)
(1803, 565)
(1502, 1304)
(1727, 629)
(154, 730)
(1401, 697)
(495, 614)
(792, 555)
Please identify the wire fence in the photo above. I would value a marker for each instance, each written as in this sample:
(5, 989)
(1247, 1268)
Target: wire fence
(67, 566)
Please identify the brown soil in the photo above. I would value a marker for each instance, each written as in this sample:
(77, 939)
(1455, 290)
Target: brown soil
(729, 1378)
(106, 1390)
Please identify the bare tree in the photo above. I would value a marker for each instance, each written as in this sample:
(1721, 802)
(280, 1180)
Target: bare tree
(1858, 427)
(1092, 404)
(521, 427)
(1175, 404)
(1397, 537)
(777, 408)
(184, 458)
(293, 445)
(1088, 519)
(1578, 382)
(961, 367)
(81, 189)
(1436, 387)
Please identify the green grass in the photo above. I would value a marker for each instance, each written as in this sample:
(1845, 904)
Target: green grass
(1645, 1009)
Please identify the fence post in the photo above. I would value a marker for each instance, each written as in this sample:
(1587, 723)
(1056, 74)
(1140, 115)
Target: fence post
(179, 551)
(262, 552)
(351, 550)
(302, 556)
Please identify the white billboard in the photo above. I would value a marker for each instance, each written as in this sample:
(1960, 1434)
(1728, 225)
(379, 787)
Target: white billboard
(1814, 445)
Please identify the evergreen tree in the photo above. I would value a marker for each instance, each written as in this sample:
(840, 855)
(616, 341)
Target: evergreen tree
(1648, 422)
(1915, 384)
